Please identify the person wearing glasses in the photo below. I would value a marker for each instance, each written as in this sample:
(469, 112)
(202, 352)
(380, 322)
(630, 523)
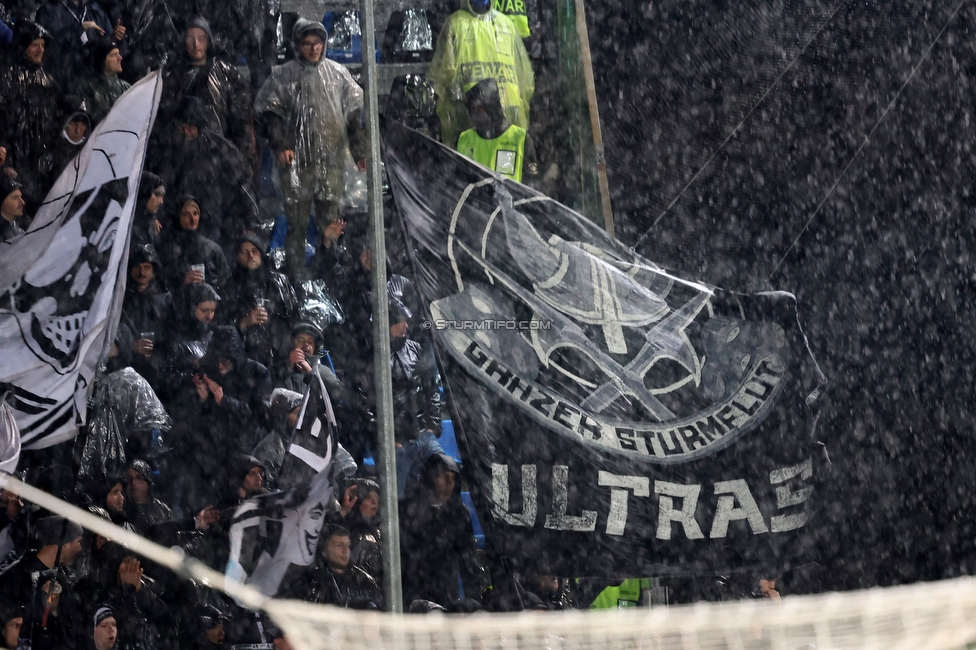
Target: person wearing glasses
(312, 110)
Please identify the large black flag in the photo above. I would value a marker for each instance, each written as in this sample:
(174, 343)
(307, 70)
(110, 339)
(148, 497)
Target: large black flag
(619, 420)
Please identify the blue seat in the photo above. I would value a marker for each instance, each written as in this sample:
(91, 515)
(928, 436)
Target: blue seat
(479, 533)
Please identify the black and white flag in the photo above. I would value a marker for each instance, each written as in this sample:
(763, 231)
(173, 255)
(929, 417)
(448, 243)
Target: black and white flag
(272, 532)
(619, 420)
(61, 284)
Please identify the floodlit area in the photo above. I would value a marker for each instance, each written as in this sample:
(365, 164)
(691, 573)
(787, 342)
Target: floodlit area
(471, 323)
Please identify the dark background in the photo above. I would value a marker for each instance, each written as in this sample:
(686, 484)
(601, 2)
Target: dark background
(883, 270)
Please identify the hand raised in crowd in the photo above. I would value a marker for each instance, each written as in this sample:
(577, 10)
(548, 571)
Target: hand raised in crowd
(205, 517)
(286, 157)
(768, 589)
(361, 165)
(53, 591)
(203, 392)
(257, 316)
(143, 347)
(193, 275)
(215, 389)
(3, 155)
(333, 231)
(298, 361)
(119, 32)
(91, 24)
(156, 226)
(348, 501)
(130, 573)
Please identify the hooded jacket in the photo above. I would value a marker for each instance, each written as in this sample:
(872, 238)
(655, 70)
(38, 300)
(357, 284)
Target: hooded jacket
(145, 311)
(268, 342)
(100, 91)
(151, 36)
(416, 392)
(212, 168)
(473, 47)
(437, 540)
(236, 424)
(314, 109)
(184, 341)
(153, 512)
(63, 150)
(29, 113)
(143, 232)
(221, 89)
(184, 248)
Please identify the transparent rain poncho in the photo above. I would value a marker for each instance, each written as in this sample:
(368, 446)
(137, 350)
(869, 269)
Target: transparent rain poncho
(122, 402)
(314, 101)
(416, 35)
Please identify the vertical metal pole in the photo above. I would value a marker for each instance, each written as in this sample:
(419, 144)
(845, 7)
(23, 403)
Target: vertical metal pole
(390, 521)
(601, 158)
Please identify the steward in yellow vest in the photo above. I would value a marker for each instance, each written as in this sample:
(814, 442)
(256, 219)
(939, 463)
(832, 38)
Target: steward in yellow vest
(493, 142)
(514, 9)
(477, 43)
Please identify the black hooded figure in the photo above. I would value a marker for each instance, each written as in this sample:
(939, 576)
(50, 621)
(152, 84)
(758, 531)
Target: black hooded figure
(12, 198)
(29, 111)
(259, 301)
(76, 128)
(221, 88)
(144, 516)
(101, 85)
(436, 537)
(185, 247)
(184, 341)
(147, 227)
(220, 414)
(199, 161)
(145, 308)
(416, 388)
(151, 35)
(65, 21)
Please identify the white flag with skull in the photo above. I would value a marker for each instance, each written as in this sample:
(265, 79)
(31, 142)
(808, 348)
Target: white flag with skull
(61, 284)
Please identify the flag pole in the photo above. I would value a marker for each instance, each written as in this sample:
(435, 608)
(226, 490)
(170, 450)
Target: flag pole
(601, 158)
(389, 521)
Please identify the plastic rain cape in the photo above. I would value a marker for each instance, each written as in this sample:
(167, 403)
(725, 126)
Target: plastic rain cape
(315, 102)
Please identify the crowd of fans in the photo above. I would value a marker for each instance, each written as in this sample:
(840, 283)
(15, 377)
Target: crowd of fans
(194, 409)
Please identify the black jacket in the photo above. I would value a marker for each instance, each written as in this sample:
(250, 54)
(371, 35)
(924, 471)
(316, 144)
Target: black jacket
(65, 50)
(324, 586)
(211, 168)
(151, 35)
(29, 122)
(267, 343)
(182, 249)
(416, 391)
(220, 87)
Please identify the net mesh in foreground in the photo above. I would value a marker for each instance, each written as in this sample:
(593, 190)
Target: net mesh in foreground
(922, 616)
(926, 616)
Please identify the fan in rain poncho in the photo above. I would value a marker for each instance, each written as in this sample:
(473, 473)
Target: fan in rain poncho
(476, 43)
(312, 109)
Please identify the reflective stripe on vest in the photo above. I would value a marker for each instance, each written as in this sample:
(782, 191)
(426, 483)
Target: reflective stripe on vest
(514, 9)
(482, 54)
(503, 154)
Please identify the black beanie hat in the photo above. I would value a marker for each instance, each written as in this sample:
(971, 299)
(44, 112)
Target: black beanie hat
(47, 531)
(96, 51)
(7, 187)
